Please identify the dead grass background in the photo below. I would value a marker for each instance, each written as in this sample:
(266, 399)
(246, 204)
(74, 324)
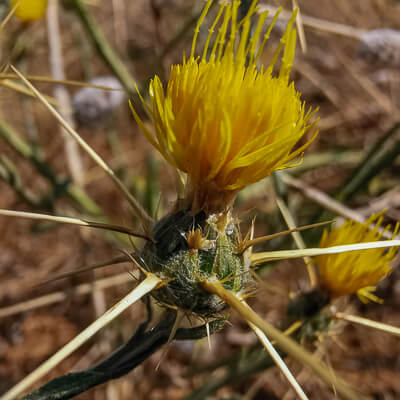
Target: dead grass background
(358, 102)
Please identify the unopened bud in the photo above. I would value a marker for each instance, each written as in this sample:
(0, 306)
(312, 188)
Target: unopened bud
(172, 258)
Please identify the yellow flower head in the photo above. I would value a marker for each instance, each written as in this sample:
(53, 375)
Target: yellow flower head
(222, 120)
(356, 271)
(29, 10)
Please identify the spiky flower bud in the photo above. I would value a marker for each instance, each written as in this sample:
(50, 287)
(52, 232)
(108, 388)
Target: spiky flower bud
(188, 249)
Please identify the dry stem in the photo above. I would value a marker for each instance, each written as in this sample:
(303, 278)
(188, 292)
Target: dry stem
(287, 344)
(137, 208)
(145, 287)
(278, 361)
(60, 296)
(72, 221)
(258, 258)
(287, 216)
(367, 322)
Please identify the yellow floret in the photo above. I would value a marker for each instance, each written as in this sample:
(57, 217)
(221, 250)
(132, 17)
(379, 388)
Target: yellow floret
(222, 120)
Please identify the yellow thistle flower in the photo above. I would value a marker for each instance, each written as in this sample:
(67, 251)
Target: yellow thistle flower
(222, 120)
(29, 10)
(357, 271)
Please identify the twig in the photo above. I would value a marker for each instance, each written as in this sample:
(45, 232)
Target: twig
(258, 258)
(388, 200)
(278, 360)
(252, 242)
(21, 89)
(321, 198)
(73, 157)
(245, 363)
(72, 221)
(320, 24)
(393, 330)
(120, 28)
(86, 268)
(300, 27)
(317, 79)
(60, 185)
(68, 82)
(8, 17)
(60, 296)
(381, 99)
(285, 343)
(242, 364)
(287, 216)
(329, 203)
(104, 48)
(322, 159)
(137, 208)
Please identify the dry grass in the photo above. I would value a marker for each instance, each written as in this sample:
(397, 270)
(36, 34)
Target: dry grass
(358, 102)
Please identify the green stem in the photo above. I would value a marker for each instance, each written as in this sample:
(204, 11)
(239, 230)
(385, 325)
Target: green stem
(103, 47)
(9, 174)
(14, 140)
(380, 156)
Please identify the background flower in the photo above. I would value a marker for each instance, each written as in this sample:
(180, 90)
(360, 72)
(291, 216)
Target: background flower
(357, 271)
(29, 10)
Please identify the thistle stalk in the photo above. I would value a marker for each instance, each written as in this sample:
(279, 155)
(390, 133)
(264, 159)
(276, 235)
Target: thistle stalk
(284, 342)
(355, 319)
(287, 216)
(278, 360)
(72, 221)
(259, 258)
(60, 296)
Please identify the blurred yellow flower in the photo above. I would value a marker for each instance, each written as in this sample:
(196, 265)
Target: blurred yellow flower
(29, 10)
(222, 120)
(357, 271)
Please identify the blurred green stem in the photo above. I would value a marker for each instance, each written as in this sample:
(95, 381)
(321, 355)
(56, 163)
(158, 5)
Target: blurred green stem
(152, 188)
(380, 156)
(9, 174)
(26, 151)
(103, 47)
(239, 367)
(182, 32)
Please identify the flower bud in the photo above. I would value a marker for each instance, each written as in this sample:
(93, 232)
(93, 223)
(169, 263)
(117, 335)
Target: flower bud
(172, 258)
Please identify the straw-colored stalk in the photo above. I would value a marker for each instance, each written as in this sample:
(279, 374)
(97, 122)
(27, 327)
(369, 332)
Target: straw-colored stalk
(146, 286)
